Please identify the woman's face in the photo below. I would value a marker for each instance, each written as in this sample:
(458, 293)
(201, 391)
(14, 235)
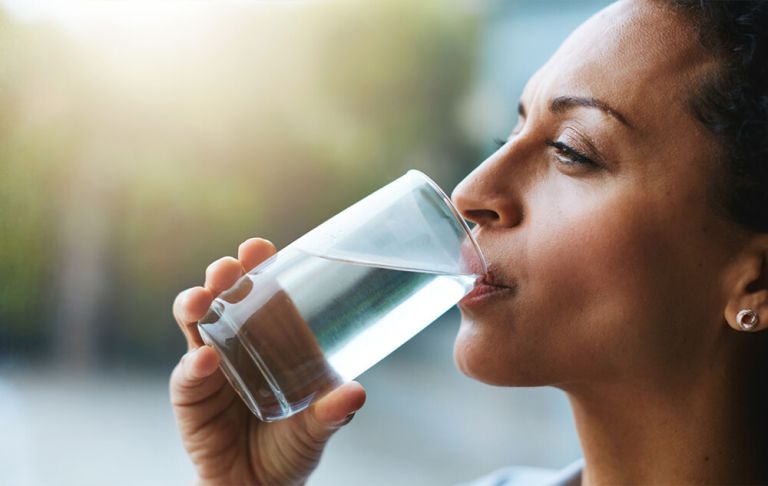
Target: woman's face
(596, 215)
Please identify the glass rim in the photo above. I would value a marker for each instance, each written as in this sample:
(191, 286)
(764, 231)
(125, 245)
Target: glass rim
(456, 214)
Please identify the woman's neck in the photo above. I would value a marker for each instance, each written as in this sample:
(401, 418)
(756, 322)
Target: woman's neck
(709, 431)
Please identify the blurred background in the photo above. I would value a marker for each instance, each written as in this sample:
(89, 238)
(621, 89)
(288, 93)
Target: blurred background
(139, 141)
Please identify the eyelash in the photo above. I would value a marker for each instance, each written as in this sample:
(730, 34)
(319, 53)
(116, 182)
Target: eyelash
(562, 149)
(575, 157)
(499, 142)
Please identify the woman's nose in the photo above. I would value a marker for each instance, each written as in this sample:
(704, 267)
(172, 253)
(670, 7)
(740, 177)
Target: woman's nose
(487, 197)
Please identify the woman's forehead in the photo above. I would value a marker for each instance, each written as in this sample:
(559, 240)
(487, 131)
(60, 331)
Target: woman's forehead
(642, 57)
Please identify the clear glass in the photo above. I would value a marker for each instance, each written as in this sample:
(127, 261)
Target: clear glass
(342, 297)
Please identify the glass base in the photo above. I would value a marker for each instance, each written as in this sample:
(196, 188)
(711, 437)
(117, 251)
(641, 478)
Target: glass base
(250, 380)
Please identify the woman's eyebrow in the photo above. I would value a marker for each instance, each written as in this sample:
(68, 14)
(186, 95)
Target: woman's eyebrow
(563, 103)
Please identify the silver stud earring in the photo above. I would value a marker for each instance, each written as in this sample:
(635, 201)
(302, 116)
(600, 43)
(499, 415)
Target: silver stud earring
(747, 319)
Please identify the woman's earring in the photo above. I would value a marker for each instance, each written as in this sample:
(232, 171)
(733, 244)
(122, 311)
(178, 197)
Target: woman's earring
(747, 319)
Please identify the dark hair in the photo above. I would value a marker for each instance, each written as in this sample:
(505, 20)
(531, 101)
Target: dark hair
(733, 102)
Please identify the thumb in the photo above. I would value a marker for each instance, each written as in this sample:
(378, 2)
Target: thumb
(334, 410)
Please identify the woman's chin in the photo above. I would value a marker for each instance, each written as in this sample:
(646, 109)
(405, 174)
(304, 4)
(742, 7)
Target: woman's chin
(473, 359)
(483, 356)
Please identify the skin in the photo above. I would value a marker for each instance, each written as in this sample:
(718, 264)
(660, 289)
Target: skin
(226, 443)
(621, 280)
(603, 258)
(624, 281)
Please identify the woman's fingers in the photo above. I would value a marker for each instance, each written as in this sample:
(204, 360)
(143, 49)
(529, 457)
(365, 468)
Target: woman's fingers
(194, 378)
(222, 274)
(188, 308)
(253, 251)
(192, 304)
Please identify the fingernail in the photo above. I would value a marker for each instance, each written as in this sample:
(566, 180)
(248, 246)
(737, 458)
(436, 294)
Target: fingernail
(348, 418)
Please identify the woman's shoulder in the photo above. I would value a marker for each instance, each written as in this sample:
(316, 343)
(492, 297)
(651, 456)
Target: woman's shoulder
(533, 476)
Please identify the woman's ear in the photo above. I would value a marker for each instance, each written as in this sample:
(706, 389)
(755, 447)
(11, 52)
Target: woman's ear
(747, 304)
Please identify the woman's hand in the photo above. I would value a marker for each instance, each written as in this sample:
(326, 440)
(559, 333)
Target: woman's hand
(226, 442)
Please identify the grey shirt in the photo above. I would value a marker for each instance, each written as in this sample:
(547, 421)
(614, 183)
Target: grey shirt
(533, 476)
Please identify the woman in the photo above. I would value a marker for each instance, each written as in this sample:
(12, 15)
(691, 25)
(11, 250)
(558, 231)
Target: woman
(626, 222)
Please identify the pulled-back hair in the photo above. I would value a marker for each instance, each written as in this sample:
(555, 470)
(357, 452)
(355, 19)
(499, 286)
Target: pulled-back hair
(732, 103)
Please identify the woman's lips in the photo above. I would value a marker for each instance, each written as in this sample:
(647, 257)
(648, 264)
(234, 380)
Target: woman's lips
(484, 291)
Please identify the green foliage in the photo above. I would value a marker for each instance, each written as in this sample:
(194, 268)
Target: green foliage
(159, 155)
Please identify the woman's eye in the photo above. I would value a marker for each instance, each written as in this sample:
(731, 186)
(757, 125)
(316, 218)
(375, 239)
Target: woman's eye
(500, 142)
(569, 156)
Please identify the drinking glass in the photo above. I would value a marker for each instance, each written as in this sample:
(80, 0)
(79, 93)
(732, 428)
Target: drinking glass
(342, 297)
